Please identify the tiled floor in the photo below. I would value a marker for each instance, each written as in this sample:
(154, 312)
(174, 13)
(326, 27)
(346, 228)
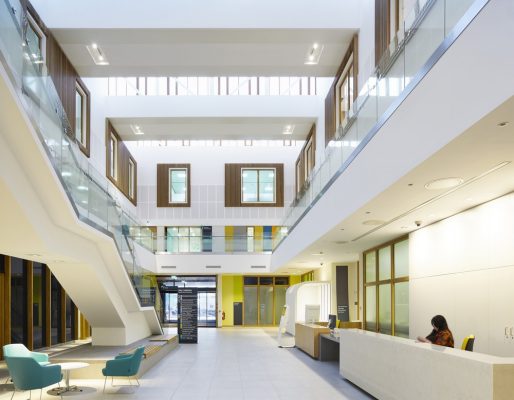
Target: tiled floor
(230, 363)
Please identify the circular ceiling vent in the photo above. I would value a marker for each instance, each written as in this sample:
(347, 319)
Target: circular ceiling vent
(444, 183)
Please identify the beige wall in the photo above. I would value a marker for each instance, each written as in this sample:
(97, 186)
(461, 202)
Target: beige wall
(328, 273)
(463, 267)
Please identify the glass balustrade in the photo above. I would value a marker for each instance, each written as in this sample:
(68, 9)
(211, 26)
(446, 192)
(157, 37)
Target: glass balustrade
(88, 190)
(206, 244)
(422, 32)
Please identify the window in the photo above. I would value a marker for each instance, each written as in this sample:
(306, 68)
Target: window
(36, 41)
(80, 115)
(132, 179)
(386, 286)
(178, 185)
(345, 93)
(188, 239)
(258, 185)
(113, 159)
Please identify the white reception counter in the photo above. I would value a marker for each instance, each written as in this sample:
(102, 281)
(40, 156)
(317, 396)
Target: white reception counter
(392, 368)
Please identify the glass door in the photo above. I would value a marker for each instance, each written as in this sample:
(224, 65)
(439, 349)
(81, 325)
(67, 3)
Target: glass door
(170, 308)
(207, 309)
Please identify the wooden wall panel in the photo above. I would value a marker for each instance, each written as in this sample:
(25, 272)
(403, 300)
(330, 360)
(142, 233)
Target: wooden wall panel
(382, 28)
(123, 155)
(30, 300)
(65, 77)
(163, 183)
(233, 185)
(331, 99)
(48, 305)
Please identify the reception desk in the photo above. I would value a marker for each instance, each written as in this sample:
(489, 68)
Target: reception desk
(307, 337)
(392, 368)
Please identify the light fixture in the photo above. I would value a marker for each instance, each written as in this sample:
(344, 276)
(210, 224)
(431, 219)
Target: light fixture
(97, 54)
(288, 130)
(443, 183)
(136, 129)
(373, 222)
(317, 254)
(313, 55)
(503, 123)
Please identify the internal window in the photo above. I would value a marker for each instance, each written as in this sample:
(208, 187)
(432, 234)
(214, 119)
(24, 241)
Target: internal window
(35, 41)
(258, 185)
(113, 159)
(345, 94)
(132, 179)
(80, 115)
(178, 185)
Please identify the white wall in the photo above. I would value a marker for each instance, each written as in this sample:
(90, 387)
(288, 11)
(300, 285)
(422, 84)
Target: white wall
(208, 184)
(463, 268)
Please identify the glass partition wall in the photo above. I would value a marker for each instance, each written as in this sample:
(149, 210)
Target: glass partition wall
(264, 298)
(35, 310)
(386, 288)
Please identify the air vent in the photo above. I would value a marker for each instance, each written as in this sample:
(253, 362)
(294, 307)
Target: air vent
(213, 266)
(169, 266)
(258, 267)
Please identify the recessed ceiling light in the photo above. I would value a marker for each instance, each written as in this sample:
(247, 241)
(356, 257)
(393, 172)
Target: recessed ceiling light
(443, 183)
(502, 124)
(34, 255)
(97, 54)
(317, 254)
(288, 130)
(136, 129)
(373, 222)
(314, 54)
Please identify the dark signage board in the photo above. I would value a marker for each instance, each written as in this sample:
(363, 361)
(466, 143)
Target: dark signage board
(187, 318)
(343, 312)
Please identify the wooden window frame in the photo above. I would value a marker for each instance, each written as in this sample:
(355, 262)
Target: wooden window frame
(377, 283)
(113, 157)
(131, 178)
(163, 185)
(32, 21)
(233, 185)
(302, 170)
(258, 185)
(83, 143)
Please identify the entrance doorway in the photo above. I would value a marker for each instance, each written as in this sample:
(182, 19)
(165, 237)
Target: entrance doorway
(207, 298)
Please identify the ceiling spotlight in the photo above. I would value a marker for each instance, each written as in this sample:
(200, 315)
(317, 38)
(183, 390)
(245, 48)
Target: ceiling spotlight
(443, 183)
(136, 129)
(288, 130)
(502, 124)
(314, 54)
(97, 54)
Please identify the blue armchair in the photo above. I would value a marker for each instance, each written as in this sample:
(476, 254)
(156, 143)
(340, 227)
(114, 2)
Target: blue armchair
(19, 350)
(28, 374)
(126, 365)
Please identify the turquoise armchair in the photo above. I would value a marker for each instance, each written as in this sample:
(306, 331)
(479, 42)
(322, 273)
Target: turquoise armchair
(19, 350)
(126, 365)
(28, 374)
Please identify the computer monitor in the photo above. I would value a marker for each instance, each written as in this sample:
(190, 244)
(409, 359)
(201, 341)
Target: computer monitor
(311, 313)
(332, 322)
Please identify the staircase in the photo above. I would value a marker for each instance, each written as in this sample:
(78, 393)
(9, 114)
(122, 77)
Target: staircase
(57, 209)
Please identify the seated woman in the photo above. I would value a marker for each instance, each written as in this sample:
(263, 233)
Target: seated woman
(441, 334)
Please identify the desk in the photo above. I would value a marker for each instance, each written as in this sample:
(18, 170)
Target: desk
(307, 337)
(328, 347)
(393, 368)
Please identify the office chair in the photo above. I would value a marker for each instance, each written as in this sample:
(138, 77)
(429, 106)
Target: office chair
(468, 342)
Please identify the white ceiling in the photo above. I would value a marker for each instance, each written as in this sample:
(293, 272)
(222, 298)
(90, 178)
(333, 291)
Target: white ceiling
(223, 128)
(205, 52)
(476, 156)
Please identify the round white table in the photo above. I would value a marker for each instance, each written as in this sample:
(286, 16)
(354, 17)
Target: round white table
(67, 389)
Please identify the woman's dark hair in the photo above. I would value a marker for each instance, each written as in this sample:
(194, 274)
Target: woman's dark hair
(440, 323)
